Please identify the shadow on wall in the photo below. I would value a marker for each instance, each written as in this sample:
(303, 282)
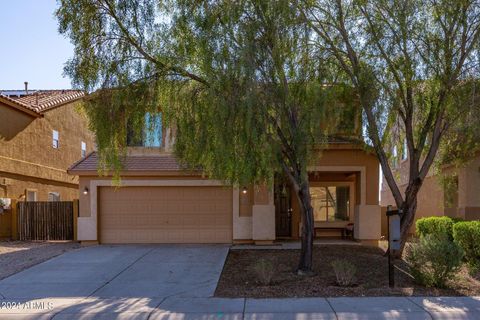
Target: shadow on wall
(12, 122)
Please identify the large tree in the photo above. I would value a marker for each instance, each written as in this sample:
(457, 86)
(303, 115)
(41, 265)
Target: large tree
(410, 62)
(237, 79)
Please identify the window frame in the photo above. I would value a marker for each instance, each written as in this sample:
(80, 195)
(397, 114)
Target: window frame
(83, 151)
(35, 194)
(404, 156)
(147, 138)
(55, 141)
(395, 157)
(352, 191)
(56, 194)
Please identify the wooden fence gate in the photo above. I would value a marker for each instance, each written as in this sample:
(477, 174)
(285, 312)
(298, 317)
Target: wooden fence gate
(42, 220)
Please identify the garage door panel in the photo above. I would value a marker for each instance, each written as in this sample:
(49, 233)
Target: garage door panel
(165, 215)
(166, 236)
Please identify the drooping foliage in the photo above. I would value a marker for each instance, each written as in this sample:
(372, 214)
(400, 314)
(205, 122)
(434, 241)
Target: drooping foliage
(237, 82)
(231, 76)
(411, 62)
(120, 54)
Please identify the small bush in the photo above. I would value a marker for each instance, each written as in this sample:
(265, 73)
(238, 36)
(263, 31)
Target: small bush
(433, 260)
(467, 235)
(438, 226)
(344, 271)
(264, 270)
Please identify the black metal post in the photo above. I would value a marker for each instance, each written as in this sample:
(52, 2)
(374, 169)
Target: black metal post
(391, 270)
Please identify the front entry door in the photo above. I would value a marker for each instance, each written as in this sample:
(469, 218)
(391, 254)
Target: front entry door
(283, 211)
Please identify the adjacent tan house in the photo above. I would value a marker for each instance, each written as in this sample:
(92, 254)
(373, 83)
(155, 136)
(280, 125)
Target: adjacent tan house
(459, 197)
(41, 134)
(159, 202)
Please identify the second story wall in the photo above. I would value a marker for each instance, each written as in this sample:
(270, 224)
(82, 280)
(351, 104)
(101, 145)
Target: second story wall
(26, 142)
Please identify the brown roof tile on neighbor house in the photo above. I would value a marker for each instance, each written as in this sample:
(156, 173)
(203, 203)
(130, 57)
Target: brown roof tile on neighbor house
(41, 100)
(160, 162)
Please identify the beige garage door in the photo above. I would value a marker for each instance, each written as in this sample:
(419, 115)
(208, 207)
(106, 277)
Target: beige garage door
(165, 215)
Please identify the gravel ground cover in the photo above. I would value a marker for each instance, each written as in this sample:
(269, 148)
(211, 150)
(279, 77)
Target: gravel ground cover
(240, 276)
(16, 256)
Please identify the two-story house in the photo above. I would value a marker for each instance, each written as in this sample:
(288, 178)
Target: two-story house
(159, 202)
(41, 134)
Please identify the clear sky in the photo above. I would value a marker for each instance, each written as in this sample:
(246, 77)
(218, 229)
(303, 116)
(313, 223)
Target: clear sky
(31, 48)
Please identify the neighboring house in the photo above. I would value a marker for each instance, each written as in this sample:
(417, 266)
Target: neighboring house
(41, 134)
(457, 195)
(159, 202)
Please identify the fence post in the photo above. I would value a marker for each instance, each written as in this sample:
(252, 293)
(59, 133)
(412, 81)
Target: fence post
(75, 219)
(13, 207)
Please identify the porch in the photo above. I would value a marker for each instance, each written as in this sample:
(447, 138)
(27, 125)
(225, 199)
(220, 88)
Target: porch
(344, 188)
(339, 201)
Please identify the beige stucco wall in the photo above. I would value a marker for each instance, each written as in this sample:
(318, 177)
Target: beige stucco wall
(13, 121)
(17, 184)
(258, 225)
(367, 222)
(263, 214)
(431, 196)
(27, 157)
(430, 199)
(469, 190)
(348, 164)
(254, 213)
(354, 157)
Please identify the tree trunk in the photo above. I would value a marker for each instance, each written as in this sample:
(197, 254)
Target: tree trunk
(299, 182)
(305, 264)
(406, 221)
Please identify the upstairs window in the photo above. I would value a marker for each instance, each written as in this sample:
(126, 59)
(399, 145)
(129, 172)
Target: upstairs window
(55, 139)
(84, 149)
(405, 150)
(395, 157)
(151, 135)
(152, 132)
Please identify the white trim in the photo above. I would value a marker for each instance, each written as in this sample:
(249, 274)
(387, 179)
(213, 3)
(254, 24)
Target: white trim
(361, 169)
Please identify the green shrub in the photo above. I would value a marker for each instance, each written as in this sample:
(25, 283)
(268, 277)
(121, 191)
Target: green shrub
(344, 272)
(467, 235)
(437, 226)
(433, 260)
(264, 270)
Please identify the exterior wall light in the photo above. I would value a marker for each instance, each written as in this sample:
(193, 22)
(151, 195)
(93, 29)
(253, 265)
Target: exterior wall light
(85, 191)
(244, 190)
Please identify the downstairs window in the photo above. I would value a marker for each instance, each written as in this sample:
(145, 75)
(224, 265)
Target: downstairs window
(331, 203)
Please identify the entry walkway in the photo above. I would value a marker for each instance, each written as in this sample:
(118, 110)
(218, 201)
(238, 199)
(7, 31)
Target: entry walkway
(255, 309)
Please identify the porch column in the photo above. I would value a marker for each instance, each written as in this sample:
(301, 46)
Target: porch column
(368, 220)
(263, 215)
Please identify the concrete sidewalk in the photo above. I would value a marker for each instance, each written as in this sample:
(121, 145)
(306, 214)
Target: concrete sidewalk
(254, 309)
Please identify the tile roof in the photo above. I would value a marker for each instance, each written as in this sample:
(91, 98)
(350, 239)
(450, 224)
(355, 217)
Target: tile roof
(41, 100)
(158, 162)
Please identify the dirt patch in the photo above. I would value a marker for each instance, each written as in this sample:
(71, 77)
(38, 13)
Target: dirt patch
(239, 279)
(16, 256)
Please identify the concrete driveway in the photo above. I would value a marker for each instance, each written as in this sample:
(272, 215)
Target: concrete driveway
(112, 279)
(111, 271)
